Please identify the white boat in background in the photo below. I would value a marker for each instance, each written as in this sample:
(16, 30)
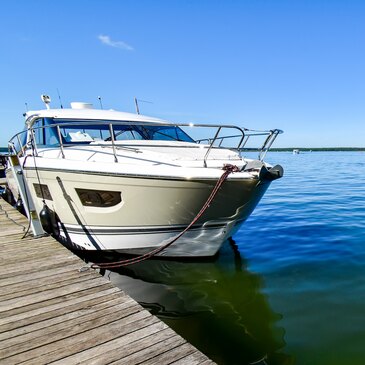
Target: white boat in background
(109, 180)
(296, 152)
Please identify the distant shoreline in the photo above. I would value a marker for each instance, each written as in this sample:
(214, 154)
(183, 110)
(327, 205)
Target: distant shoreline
(319, 149)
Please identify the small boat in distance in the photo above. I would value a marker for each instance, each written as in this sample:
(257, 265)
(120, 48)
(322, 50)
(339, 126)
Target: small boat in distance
(296, 152)
(109, 180)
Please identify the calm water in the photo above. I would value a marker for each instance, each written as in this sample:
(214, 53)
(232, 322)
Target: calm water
(290, 289)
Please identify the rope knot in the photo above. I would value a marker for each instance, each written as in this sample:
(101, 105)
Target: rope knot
(231, 168)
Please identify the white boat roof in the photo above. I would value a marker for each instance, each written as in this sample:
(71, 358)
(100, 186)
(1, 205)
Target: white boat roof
(92, 114)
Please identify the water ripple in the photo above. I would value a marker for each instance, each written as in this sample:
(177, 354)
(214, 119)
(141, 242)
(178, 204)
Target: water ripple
(306, 238)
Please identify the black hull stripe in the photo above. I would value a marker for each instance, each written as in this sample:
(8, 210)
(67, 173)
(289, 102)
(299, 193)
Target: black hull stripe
(136, 231)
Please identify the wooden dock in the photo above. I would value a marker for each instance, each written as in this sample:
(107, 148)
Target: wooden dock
(51, 312)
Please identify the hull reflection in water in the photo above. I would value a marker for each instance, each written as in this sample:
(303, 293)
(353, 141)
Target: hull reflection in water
(216, 304)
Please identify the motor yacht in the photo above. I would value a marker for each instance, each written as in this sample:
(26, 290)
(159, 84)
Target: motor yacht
(108, 180)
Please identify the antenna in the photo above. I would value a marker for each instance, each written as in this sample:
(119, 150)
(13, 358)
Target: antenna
(136, 102)
(46, 100)
(143, 101)
(59, 98)
(101, 104)
(26, 106)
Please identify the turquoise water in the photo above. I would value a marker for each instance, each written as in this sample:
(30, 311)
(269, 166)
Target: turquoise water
(290, 289)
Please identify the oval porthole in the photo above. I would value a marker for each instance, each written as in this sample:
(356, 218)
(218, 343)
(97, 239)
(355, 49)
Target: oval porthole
(99, 198)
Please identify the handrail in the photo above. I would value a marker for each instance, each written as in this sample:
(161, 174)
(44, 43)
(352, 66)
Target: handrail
(268, 143)
(210, 147)
(113, 141)
(244, 135)
(271, 136)
(60, 140)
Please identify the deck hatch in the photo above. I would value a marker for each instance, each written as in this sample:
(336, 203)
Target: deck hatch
(99, 198)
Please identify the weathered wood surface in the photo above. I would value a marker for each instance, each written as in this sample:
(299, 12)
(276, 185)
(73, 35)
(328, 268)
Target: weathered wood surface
(50, 312)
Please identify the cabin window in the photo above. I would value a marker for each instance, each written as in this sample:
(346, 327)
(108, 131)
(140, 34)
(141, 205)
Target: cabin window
(98, 132)
(21, 142)
(99, 198)
(38, 132)
(42, 191)
(126, 133)
(45, 136)
(165, 133)
(83, 132)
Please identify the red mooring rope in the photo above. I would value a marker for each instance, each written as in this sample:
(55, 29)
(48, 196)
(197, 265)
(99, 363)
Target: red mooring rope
(228, 169)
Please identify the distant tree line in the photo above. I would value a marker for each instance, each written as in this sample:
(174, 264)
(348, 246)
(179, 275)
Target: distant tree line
(318, 149)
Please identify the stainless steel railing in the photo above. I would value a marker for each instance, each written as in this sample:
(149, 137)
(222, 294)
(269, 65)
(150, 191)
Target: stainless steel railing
(240, 138)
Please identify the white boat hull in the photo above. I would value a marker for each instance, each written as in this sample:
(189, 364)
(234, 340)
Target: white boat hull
(108, 180)
(152, 211)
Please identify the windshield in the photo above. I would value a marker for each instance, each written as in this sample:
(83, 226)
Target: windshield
(73, 131)
(164, 133)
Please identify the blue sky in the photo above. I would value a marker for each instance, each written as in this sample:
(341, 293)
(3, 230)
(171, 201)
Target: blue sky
(294, 65)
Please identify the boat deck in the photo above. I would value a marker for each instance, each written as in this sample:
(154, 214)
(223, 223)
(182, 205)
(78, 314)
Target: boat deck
(51, 312)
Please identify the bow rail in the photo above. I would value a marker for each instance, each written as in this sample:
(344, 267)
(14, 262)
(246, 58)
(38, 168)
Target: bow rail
(56, 134)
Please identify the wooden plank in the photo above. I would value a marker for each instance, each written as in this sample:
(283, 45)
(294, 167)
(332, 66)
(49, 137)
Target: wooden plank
(139, 351)
(20, 222)
(40, 286)
(12, 252)
(91, 307)
(49, 294)
(20, 240)
(120, 347)
(6, 208)
(195, 358)
(23, 279)
(71, 327)
(171, 354)
(22, 257)
(15, 238)
(153, 351)
(12, 221)
(51, 309)
(93, 287)
(84, 340)
(32, 266)
(12, 230)
(11, 255)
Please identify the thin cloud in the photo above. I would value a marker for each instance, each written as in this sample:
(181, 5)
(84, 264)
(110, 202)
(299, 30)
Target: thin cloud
(105, 39)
